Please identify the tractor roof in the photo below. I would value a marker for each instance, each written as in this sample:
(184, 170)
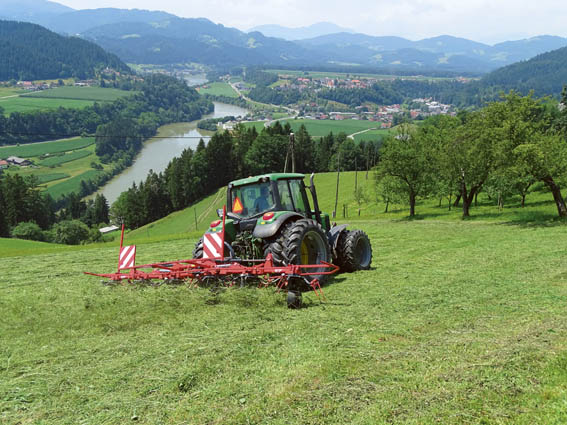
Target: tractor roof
(272, 176)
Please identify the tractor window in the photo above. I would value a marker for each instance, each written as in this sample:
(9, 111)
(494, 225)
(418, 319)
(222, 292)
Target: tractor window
(285, 196)
(297, 195)
(252, 199)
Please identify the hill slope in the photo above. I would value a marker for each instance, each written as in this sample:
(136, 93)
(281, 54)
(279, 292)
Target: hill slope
(32, 52)
(545, 74)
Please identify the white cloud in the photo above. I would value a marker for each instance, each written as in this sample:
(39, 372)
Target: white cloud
(481, 20)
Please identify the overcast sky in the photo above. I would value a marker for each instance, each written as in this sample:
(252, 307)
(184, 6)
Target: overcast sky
(488, 21)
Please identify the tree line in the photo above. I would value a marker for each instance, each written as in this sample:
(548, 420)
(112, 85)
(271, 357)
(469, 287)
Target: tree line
(228, 156)
(501, 149)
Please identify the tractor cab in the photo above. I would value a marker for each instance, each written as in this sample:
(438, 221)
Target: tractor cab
(271, 198)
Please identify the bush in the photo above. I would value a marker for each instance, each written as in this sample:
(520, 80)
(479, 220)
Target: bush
(71, 232)
(28, 230)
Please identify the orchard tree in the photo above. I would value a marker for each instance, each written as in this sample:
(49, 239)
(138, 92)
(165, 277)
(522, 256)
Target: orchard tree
(407, 157)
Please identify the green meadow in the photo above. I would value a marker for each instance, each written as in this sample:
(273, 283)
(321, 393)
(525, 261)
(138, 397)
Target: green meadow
(98, 94)
(457, 322)
(43, 148)
(218, 89)
(320, 128)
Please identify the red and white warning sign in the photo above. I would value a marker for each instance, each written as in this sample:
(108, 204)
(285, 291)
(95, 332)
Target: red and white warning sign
(212, 245)
(127, 257)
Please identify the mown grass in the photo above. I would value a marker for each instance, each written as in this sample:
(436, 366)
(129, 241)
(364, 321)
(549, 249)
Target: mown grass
(457, 323)
(42, 148)
(46, 178)
(98, 94)
(218, 89)
(62, 159)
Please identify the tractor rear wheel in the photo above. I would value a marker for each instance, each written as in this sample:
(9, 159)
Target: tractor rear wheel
(354, 251)
(305, 242)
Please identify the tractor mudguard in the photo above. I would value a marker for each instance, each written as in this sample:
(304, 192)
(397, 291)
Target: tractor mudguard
(267, 230)
(334, 235)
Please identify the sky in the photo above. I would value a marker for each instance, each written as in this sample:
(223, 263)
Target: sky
(488, 21)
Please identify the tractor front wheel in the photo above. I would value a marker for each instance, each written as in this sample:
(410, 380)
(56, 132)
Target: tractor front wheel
(305, 242)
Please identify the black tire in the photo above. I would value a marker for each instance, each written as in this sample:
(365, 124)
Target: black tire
(305, 242)
(354, 251)
(294, 299)
(275, 245)
(198, 250)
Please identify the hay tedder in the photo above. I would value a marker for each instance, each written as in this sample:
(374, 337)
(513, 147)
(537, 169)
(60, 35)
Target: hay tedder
(269, 237)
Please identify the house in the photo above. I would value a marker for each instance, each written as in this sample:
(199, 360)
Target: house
(18, 161)
(3, 164)
(108, 229)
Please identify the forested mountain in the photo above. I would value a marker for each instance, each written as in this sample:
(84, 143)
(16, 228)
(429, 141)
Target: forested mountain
(37, 11)
(31, 52)
(545, 74)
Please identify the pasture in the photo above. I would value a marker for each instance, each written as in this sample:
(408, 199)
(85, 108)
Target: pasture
(218, 89)
(321, 128)
(98, 94)
(457, 322)
(43, 148)
(72, 184)
(27, 104)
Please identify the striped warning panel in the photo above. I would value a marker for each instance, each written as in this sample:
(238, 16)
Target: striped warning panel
(127, 257)
(212, 243)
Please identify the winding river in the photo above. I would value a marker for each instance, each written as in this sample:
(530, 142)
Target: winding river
(171, 140)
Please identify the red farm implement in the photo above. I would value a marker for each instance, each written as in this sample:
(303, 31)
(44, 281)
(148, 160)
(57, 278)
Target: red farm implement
(220, 271)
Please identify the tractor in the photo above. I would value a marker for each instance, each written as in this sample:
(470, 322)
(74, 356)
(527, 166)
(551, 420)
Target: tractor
(271, 214)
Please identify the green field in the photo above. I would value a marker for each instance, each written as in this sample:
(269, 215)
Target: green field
(72, 184)
(10, 91)
(218, 89)
(320, 128)
(46, 178)
(457, 323)
(42, 148)
(67, 97)
(354, 74)
(27, 104)
(82, 93)
(371, 135)
(62, 159)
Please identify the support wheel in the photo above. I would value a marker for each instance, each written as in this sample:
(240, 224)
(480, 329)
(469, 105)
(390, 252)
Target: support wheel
(354, 251)
(294, 299)
(198, 250)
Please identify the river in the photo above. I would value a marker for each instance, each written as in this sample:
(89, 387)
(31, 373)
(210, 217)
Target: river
(158, 152)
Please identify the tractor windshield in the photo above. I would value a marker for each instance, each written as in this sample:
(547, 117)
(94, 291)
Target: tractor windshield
(252, 199)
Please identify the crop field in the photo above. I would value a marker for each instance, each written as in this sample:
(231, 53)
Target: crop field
(72, 184)
(218, 89)
(26, 104)
(42, 148)
(68, 157)
(46, 178)
(457, 322)
(98, 94)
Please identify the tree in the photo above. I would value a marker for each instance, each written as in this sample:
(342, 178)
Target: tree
(71, 232)
(28, 230)
(407, 157)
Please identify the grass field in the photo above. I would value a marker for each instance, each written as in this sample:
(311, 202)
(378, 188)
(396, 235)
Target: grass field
(68, 157)
(320, 128)
(10, 91)
(46, 178)
(457, 323)
(82, 93)
(218, 89)
(371, 135)
(26, 104)
(42, 148)
(67, 97)
(72, 184)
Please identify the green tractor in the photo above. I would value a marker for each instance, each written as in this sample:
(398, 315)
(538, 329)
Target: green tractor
(270, 214)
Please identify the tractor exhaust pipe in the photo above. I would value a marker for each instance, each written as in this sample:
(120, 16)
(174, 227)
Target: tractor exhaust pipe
(315, 201)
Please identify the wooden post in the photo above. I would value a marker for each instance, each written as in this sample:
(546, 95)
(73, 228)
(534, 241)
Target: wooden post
(195, 211)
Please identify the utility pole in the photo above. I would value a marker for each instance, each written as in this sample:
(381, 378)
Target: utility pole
(292, 146)
(337, 190)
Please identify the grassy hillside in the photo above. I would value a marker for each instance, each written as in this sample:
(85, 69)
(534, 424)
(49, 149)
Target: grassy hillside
(457, 323)
(320, 128)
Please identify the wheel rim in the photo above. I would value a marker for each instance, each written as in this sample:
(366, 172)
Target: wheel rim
(362, 252)
(313, 249)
